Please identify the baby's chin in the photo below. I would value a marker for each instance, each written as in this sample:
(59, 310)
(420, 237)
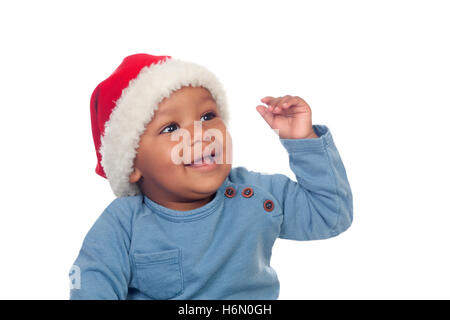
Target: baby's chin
(207, 183)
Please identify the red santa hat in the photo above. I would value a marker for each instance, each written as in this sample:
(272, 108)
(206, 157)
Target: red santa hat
(123, 104)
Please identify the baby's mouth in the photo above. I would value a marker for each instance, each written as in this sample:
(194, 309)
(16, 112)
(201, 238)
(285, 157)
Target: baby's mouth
(204, 160)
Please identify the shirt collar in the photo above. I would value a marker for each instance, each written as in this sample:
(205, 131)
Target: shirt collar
(189, 215)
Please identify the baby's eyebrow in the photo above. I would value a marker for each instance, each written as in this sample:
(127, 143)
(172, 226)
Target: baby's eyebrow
(208, 98)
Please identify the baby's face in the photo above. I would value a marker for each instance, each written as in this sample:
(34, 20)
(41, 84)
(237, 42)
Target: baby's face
(156, 169)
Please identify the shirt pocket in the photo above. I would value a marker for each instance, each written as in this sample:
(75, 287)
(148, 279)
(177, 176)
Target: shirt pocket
(159, 274)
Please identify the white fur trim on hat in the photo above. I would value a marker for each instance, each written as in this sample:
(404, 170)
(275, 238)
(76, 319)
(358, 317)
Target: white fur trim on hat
(135, 108)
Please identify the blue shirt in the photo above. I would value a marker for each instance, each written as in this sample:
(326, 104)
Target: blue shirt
(138, 249)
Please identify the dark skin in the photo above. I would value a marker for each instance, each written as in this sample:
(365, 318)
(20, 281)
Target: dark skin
(172, 185)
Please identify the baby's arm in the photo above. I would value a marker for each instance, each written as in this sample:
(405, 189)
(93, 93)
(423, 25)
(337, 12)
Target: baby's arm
(103, 261)
(320, 204)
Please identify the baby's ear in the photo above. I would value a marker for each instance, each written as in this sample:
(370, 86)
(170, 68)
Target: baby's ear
(135, 175)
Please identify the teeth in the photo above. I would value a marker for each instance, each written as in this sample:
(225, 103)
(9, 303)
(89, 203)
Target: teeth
(211, 158)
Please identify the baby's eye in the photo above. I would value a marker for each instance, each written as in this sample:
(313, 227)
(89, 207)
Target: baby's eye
(172, 125)
(209, 115)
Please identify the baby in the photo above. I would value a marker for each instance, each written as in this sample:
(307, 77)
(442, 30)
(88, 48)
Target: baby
(185, 223)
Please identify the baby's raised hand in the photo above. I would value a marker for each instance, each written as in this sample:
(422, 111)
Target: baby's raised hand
(291, 115)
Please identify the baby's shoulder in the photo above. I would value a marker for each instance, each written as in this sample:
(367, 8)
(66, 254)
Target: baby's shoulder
(125, 205)
(264, 181)
(115, 220)
(124, 209)
(244, 176)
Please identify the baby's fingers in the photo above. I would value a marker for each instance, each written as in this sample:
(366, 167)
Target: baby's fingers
(270, 101)
(267, 100)
(266, 114)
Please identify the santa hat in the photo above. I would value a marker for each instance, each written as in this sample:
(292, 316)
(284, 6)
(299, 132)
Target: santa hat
(123, 104)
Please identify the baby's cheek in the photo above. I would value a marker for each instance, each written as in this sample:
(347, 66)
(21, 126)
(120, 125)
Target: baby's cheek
(176, 155)
(228, 148)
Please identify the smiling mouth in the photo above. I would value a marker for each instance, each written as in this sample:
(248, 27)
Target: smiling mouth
(210, 159)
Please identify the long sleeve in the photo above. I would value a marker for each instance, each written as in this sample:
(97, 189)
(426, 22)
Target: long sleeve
(102, 268)
(319, 204)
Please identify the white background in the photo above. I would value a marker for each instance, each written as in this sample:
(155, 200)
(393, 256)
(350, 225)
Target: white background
(377, 73)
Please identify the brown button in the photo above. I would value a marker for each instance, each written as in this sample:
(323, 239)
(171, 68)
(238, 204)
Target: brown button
(230, 192)
(247, 192)
(268, 205)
